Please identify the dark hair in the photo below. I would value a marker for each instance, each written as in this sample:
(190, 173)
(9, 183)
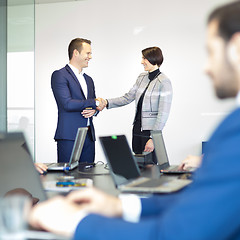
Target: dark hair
(76, 44)
(153, 55)
(228, 17)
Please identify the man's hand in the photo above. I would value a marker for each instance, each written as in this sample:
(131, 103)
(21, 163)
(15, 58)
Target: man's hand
(149, 147)
(87, 113)
(190, 161)
(61, 215)
(92, 200)
(56, 215)
(102, 104)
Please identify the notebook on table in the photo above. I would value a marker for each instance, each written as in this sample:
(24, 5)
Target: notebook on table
(75, 155)
(162, 157)
(125, 171)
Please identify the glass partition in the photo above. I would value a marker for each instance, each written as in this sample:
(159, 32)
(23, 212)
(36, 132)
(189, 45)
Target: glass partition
(3, 65)
(20, 68)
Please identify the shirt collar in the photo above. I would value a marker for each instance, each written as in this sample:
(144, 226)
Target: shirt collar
(75, 70)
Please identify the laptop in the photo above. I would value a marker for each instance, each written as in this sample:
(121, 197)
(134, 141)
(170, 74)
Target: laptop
(18, 175)
(125, 171)
(75, 155)
(162, 157)
(17, 170)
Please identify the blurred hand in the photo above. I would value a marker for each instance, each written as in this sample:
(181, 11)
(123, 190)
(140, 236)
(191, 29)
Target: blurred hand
(41, 167)
(190, 161)
(149, 147)
(102, 104)
(56, 215)
(87, 113)
(105, 102)
(95, 201)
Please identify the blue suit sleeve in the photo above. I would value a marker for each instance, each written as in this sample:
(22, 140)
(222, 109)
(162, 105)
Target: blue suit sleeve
(157, 204)
(63, 95)
(101, 228)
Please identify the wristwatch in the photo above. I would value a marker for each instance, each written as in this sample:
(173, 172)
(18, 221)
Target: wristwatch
(97, 103)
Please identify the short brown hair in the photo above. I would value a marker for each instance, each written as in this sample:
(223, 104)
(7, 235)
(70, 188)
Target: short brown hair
(153, 55)
(228, 18)
(76, 44)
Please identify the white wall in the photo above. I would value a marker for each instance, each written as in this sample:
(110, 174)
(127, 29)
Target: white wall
(119, 30)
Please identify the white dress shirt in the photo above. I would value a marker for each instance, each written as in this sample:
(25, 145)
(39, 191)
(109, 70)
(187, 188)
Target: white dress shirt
(132, 207)
(82, 82)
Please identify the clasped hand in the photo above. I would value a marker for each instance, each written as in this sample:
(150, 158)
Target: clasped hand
(102, 103)
(87, 113)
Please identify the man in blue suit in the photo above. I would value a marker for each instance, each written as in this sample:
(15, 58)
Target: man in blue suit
(74, 93)
(207, 209)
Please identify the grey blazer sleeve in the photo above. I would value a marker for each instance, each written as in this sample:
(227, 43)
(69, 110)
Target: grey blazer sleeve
(125, 99)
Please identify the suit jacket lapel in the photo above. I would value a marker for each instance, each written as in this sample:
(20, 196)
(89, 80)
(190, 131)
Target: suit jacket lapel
(88, 86)
(75, 78)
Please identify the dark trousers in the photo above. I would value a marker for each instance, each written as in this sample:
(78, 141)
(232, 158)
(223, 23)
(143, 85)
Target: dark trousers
(139, 140)
(64, 150)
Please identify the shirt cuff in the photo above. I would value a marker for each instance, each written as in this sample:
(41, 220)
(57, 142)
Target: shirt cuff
(131, 206)
(76, 219)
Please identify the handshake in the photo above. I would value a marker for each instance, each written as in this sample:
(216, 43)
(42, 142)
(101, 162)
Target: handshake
(102, 103)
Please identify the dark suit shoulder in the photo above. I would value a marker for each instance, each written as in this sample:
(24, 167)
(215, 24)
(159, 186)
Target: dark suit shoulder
(65, 71)
(229, 128)
(231, 122)
(61, 70)
(87, 76)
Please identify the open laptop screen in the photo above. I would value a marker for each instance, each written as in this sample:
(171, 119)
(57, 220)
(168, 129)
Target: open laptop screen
(160, 149)
(120, 158)
(78, 144)
(17, 170)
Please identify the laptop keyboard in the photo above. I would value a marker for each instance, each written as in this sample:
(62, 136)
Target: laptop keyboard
(56, 164)
(152, 183)
(175, 169)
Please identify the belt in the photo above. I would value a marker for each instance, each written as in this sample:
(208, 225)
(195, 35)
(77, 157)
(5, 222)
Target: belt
(89, 128)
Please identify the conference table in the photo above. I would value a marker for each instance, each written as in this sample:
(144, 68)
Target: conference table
(101, 179)
(100, 176)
